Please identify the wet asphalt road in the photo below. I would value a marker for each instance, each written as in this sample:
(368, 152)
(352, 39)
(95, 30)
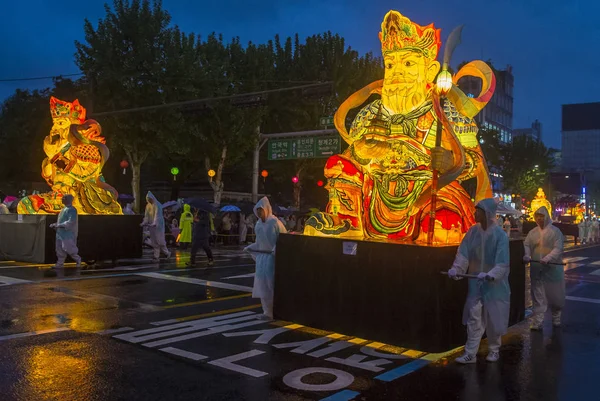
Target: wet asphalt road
(142, 331)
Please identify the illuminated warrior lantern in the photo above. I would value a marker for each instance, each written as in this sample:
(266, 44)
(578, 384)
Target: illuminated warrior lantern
(75, 154)
(540, 200)
(380, 187)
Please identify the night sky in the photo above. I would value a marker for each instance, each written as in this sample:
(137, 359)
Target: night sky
(553, 45)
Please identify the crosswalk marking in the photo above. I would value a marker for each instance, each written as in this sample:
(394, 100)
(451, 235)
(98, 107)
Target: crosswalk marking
(595, 272)
(240, 276)
(580, 299)
(11, 280)
(197, 281)
(575, 259)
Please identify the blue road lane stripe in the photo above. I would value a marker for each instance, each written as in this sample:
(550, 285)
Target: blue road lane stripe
(402, 370)
(344, 395)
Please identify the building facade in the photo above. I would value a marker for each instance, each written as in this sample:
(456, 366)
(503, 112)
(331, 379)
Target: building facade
(581, 138)
(498, 113)
(535, 132)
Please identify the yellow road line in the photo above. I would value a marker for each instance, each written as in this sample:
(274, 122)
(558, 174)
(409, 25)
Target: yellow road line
(217, 313)
(206, 301)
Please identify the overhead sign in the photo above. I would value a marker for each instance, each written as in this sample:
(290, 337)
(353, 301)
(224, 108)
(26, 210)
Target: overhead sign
(304, 148)
(326, 121)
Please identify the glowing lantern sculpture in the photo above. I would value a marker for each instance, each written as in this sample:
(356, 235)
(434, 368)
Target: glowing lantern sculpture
(75, 154)
(539, 201)
(381, 186)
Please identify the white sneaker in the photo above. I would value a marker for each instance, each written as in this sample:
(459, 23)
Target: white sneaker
(466, 359)
(493, 356)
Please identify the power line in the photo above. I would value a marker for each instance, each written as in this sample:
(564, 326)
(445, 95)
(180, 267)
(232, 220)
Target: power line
(39, 78)
(208, 100)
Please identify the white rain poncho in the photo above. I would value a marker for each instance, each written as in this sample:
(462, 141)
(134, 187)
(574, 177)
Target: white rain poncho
(584, 230)
(67, 228)
(267, 234)
(154, 219)
(547, 281)
(486, 251)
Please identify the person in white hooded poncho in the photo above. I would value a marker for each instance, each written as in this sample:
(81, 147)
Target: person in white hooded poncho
(67, 228)
(544, 247)
(155, 222)
(484, 252)
(267, 231)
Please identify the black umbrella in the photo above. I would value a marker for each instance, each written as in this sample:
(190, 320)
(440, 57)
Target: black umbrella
(246, 207)
(201, 204)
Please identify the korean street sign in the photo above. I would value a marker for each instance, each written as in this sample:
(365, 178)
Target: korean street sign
(328, 146)
(304, 148)
(326, 121)
(280, 149)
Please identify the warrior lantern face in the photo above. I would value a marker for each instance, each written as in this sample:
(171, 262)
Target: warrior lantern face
(409, 53)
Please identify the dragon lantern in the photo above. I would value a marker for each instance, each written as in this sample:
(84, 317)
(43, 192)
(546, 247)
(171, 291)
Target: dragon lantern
(381, 186)
(76, 153)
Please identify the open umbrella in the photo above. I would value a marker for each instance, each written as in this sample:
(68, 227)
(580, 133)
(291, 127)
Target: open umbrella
(126, 197)
(201, 204)
(170, 203)
(230, 208)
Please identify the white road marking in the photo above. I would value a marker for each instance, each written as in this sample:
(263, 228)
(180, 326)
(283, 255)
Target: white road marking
(240, 276)
(574, 266)
(185, 327)
(33, 333)
(596, 263)
(11, 280)
(596, 272)
(212, 330)
(114, 331)
(197, 281)
(590, 300)
(228, 363)
(574, 259)
(186, 354)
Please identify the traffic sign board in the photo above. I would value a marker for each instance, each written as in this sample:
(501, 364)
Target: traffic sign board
(304, 148)
(326, 121)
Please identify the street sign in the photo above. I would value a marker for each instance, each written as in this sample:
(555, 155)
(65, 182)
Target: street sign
(328, 146)
(304, 148)
(326, 121)
(280, 149)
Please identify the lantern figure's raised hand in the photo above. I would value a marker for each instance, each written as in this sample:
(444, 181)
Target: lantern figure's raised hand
(380, 187)
(76, 153)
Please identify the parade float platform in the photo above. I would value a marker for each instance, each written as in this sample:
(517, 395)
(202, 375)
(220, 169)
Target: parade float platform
(386, 292)
(28, 238)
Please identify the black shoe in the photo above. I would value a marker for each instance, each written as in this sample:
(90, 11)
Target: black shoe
(211, 262)
(190, 264)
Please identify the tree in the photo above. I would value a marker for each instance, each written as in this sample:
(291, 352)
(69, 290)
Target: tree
(24, 122)
(124, 59)
(526, 165)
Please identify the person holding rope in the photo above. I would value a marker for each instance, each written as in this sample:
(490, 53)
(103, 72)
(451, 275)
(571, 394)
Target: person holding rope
(267, 231)
(544, 247)
(484, 251)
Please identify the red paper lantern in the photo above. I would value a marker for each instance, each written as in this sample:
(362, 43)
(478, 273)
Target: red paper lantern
(295, 180)
(264, 173)
(124, 164)
(320, 183)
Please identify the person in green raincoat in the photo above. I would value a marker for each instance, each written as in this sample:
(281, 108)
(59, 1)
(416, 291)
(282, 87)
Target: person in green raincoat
(185, 227)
